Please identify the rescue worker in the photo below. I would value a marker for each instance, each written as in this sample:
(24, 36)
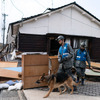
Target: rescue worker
(81, 56)
(65, 57)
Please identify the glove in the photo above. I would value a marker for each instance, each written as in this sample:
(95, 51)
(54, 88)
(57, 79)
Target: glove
(60, 60)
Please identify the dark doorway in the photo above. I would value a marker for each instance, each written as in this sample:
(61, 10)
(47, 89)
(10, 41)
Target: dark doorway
(54, 46)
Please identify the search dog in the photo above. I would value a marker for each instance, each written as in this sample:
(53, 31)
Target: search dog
(56, 81)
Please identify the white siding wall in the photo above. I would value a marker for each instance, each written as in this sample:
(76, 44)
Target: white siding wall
(59, 23)
(39, 26)
(69, 21)
(10, 38)
(82, 25)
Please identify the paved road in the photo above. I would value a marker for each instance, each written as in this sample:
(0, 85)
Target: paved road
(11, 95)
(91, 91)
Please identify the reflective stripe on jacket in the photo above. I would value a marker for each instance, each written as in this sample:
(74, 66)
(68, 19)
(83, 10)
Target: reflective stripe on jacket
(81, 55)
(63, 50)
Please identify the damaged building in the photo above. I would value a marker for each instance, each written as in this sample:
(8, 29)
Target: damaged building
(37, 34)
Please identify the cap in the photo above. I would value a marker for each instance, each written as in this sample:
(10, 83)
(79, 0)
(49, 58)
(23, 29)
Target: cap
(82, 44)
(60, 38)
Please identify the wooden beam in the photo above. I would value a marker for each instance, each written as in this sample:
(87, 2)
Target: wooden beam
(53, 60)
(30, 82)
(33, 66)
(35, 60)
(8, 64)
(9, 74)
(35, 70)
(94, 64)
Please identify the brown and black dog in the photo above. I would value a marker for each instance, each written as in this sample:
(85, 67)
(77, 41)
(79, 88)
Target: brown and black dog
(56, 81)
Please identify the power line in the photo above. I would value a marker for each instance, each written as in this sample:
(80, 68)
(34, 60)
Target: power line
(52, 3)
(79, 21)
(39, 3)
(17, 8)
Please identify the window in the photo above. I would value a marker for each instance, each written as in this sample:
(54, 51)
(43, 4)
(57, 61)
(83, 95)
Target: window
(67, 40)
(77, 42)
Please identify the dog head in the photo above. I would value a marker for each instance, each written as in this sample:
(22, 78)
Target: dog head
(41, 79)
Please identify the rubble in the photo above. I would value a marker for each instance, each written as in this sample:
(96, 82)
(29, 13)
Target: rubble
(10, 70)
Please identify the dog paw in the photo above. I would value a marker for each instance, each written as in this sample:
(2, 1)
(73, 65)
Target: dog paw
(45, 96)
(60, 93)
(71, 93)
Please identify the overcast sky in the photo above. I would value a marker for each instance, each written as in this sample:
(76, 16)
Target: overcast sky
(16, 9)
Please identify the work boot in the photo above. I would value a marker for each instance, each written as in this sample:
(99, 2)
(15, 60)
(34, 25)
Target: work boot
(77, 80)
(82, 81)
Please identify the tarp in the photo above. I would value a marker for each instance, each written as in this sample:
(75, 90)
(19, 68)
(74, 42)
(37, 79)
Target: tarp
(90, 72)
(18, 69)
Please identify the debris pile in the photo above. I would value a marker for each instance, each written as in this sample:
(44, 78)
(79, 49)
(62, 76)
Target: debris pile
(11, 85)
(10, 70)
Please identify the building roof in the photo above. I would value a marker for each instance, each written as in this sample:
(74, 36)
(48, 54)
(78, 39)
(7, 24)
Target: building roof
(55, 9)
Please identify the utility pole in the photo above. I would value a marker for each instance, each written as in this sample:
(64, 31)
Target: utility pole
(4, 22)
(4, 28)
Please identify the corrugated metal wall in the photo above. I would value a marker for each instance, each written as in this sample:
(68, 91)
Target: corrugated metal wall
(32, 43)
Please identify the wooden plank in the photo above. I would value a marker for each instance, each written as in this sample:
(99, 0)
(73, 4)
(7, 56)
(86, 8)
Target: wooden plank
(8, 64)
(35, 70)
(94, 64)
(30, 82)
(54, 64)
(8, 73)
(23, 74)
(32, 67)
(96, 70)
(53, 57)
(36, 59)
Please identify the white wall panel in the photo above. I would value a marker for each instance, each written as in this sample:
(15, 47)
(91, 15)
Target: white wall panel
(38, 26)
(10, 38)
(68, 21)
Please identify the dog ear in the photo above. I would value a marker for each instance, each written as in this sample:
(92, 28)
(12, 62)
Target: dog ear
(43, 74)
(42, 77)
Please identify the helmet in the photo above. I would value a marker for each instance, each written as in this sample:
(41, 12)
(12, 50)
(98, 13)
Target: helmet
(82, 44)
(60, 38)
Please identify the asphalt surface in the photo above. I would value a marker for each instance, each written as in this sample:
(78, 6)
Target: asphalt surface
(11, 95)
(90, 91)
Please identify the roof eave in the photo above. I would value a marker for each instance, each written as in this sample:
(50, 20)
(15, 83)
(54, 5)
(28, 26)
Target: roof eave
(53, 11)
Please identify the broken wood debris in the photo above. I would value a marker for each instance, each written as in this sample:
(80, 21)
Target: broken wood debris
(7, 73)
(33, 67)
(95, 66)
